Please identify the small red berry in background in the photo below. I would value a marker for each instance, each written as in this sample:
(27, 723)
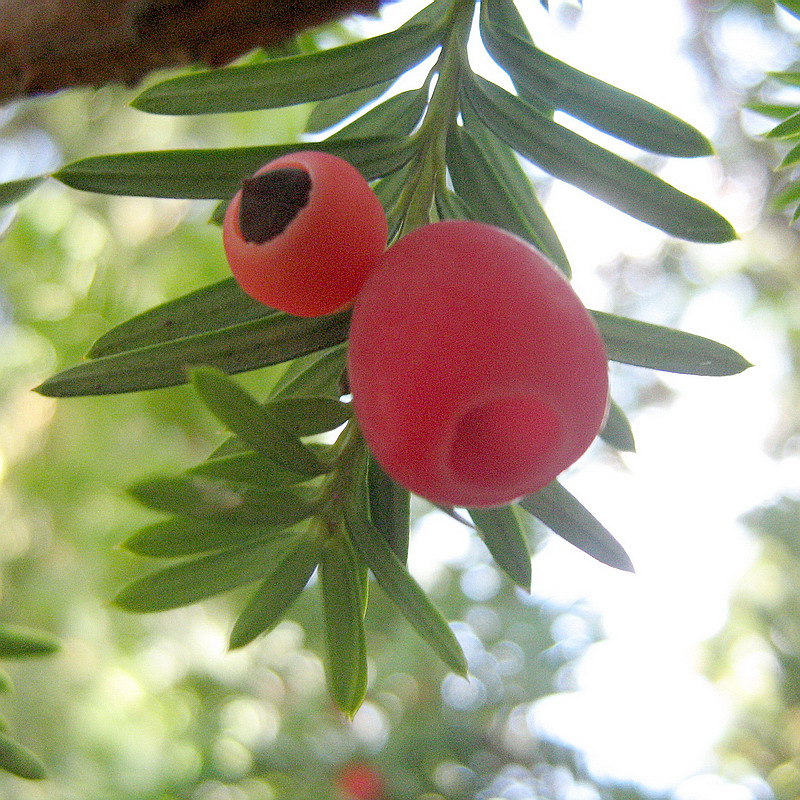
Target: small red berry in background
(477, 374)
(303, 232)
(360, 781)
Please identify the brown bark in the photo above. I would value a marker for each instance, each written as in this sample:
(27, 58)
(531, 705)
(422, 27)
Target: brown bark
(47, 45)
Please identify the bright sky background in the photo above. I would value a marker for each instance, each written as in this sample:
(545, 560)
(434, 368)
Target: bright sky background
(700, 462)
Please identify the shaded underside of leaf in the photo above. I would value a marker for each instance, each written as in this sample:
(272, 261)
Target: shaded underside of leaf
(401, 588)
(219, 305)
(216, 174)
(599, 104)
(309, 416)
(643, 344)
(566, 516)
(13, 191)
(18, 641)
(389, 191)
(197, 579)
(299, 416)
(344, 628)
(517, 184)
(396, 116)
(244, 466)
(333, 110)
(318, 373)
(297, 79)
(19, 760)
(225, 503)
(277, 593)
(178, 537)
(603, 174)
(250, 345)
(505, 532)
(617, 430)
(489, 177)
(252, 422)
(390, 509)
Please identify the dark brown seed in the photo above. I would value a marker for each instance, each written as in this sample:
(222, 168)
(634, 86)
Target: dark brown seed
(271, 201)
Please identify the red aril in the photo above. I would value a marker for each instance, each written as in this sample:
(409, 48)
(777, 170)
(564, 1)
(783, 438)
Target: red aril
(303, 232)
(360, 781)
(477, 374)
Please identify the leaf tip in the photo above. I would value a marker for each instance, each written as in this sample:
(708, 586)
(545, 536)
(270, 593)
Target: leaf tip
(237, 640)
(120, 602)
(623, 562)
(723, 233)
(139, 102)
(20, 761)
(347, 701)
(241, 635)
(463, 669)
(128, 598)
(44, 388)
(611, 553)
(707, 148)
(147, 100)
(625, 445)
(457, 660)
(199, 376)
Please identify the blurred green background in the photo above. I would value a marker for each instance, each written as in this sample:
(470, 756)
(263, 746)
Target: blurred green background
(152, 708)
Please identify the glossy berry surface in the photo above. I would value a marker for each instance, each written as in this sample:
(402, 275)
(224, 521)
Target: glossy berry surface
(303, 232)
(477, 374)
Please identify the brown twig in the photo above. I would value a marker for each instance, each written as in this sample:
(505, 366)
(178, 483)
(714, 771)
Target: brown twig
(46, 45)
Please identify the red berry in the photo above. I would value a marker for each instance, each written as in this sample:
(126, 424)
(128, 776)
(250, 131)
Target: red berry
(477, 374)
(303, 233)
(360, 782)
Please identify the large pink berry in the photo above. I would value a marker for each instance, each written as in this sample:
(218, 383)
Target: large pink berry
(303, 233)
(477, 374)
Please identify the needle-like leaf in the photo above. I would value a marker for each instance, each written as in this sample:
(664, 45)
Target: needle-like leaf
(216, 174)
(489, 177)
(565, 515)
(272, 339)
(179, 537)
(333, 110)
(225, 503)
(253, 423)
(299, 79)
(643, 344)
(17, 641)
(315, 374)
(211, 308)
(19, 760)
(400, 587)
(601, 105)
(344, 627)
(389, 508)
(505, 532)
(13, 191)
(280, 588)
(187, 582)
(617, 431)
(571, 158)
